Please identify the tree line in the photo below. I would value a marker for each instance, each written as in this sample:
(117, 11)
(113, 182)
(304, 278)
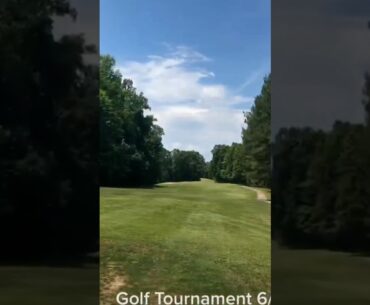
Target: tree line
(48, 134)
(132, 153)
(248, 162)
(321, 186)
(131, 149)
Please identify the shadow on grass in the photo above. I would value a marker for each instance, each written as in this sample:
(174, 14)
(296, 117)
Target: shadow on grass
(308, 276)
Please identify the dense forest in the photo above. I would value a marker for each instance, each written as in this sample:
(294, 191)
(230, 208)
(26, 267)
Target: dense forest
(131, 149)
(48, 134)
(321, 185)
(132, 153)
(248, 162)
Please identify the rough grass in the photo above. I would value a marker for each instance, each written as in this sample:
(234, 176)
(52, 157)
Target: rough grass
(33, 285)
(309, 277)
(188, 237)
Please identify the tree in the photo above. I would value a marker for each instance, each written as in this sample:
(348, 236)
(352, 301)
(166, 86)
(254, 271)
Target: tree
(234, 163)
(321, 187)
(187, 165)
(131, 147)
(228, 163)
(218, 162)
(48, 133)
(249, 162)
(257, 138)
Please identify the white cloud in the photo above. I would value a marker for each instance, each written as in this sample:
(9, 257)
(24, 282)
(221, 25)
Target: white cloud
(186, 53)
(195, 115)
(191, 128)
(252, 78)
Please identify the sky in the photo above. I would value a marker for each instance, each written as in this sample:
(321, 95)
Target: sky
(320, 53)
(200, 63)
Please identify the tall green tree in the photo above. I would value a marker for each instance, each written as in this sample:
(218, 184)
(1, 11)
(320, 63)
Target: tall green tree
(131, 147)
(218, 165)
(48, 133)
(257, 138)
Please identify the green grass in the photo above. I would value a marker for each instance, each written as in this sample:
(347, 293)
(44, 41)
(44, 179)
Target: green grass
(188, 237)
(307, 277)
(48, 285)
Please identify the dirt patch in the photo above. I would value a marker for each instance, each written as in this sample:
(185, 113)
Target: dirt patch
(116, 284)
(111, 284)
(260, 194)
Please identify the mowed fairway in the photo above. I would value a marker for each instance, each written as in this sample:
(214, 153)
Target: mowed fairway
(188, 237)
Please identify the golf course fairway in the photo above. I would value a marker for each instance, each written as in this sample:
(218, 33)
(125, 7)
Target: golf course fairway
(186, 237)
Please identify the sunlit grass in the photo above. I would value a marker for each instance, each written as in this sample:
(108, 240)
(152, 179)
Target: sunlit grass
(188, 237)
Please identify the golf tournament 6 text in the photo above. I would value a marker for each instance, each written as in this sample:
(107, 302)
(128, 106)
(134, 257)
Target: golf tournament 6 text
(161, 298)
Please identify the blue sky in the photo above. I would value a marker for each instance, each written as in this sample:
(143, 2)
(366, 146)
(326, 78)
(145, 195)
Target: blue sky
(199, 62)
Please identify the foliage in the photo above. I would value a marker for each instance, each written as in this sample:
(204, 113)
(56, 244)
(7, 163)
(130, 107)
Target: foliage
(228, 163)
(187, 165)
(131, 150)
(48, 133)
(248, 163)
(321, 187)
(257, 138)
(130, 141)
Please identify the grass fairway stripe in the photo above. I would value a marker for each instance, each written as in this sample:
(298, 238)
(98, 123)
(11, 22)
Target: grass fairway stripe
(187, 237)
